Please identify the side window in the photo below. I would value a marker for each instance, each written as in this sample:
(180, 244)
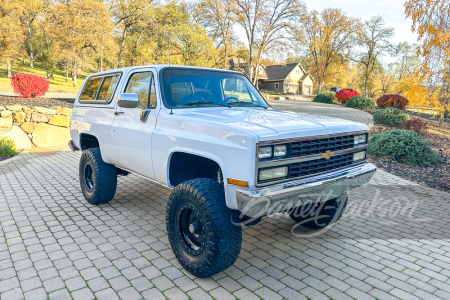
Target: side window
(91, 88)
(140, 84)
(108, 86)
(100, 88)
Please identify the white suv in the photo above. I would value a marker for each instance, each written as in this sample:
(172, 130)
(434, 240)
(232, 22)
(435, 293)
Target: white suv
(229, 157)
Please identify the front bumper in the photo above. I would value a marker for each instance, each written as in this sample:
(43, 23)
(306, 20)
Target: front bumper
(288, 195)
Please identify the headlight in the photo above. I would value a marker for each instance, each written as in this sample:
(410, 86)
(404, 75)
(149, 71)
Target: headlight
(360, 139)
(359, 155)
(273, 173)
(279, 150)
(265, 152)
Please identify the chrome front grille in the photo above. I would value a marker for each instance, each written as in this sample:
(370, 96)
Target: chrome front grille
(316, 166)
(319, 146)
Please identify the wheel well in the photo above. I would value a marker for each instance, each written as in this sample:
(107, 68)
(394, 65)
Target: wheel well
(185, 166)
(88, 141)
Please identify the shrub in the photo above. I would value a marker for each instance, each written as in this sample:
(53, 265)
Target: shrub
(396, 101)
(7, 147)
(29, 85)
(415, 125)
(326, 97)
(390, 117)
(345, 94)
(405, 146)
(360, 102)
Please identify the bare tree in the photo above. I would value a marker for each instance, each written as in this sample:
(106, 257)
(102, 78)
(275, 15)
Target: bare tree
(327, 36)
(265, 22)
(374, 42)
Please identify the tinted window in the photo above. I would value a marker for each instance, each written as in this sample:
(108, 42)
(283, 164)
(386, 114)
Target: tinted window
(108, 87)
(91, 88)
(186, 88)
(139, 84)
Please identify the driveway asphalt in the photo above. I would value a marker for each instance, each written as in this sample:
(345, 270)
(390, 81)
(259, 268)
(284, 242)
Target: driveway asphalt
(392, 243)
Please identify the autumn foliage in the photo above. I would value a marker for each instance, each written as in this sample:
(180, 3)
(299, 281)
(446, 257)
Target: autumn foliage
(29, 85)
(396, 101)
(345, 94)
(415, 125)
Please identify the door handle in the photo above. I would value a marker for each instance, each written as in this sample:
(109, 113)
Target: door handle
(118, 113)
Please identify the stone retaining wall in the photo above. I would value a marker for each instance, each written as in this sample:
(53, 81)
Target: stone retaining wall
(35, 127)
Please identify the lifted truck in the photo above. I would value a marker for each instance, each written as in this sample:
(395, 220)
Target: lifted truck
(228, 156)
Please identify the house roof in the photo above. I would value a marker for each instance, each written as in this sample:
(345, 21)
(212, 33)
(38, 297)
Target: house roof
(242, 66)
(305, 76)
(280, 72)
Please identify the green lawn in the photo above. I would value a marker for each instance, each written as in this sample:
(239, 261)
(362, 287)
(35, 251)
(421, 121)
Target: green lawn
(57, 85)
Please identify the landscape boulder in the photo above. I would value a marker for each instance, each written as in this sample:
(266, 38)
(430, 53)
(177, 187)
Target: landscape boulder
(45, 135)
(39, 118)
(20, 116)
(62, 121)
(19, 137)
(27, 110)
(16, 107)
(6, 114)
(45, 111)
(27, 127)
(64, 111)
(6, 122)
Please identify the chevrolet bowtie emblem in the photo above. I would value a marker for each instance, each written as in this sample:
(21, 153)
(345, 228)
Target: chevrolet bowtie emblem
(327, 155)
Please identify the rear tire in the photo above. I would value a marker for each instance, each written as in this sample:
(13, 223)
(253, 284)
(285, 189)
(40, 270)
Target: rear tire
(322, 216)
(98, 180)
(200, 229)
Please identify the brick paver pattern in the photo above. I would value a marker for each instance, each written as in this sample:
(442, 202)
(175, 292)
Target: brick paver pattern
(55, 245)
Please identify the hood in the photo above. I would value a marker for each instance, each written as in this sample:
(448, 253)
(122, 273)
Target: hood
(272, 124)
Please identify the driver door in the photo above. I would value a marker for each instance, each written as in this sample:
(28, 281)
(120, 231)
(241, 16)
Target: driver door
(131, 133)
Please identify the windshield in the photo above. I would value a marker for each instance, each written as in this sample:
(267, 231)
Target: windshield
(198, 88)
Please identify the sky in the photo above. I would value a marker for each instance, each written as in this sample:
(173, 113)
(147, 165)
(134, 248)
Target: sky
(392, 12)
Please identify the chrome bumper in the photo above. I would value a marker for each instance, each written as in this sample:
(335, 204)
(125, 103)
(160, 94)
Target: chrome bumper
(285, 196)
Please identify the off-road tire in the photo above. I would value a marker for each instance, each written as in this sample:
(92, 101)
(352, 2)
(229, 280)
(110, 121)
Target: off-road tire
(222, 238)
(330, 213)
(102, 186)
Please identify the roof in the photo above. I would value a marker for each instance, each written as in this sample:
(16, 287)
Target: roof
(280, 72)
(160, 67)
(305, 76)
(239, 64)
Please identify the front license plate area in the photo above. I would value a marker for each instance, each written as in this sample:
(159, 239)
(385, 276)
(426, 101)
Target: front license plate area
(332, 191)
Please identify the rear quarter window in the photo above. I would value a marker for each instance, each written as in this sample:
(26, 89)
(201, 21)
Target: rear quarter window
(100, 89)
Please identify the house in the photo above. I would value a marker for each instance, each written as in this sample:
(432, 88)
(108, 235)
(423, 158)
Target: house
(289, 78)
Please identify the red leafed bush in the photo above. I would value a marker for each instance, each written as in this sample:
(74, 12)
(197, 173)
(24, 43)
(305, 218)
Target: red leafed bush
(345, 94)
(415, 125)
(29, 85)
(395, 100)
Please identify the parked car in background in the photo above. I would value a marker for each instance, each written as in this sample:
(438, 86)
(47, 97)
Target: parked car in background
(229, 158)
(335, 89)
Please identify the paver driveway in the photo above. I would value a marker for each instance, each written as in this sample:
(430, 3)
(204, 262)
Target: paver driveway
(53, 244)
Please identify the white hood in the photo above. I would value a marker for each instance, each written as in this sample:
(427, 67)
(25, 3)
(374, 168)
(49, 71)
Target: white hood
(271, 124)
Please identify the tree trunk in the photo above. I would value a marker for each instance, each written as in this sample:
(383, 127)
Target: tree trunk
(67, 71)
(122, 45)
(250, 62)
(31, 60)
(134, 53)
(8, 67)
(366, 86)
(74, 78)
(320, 86)
(23, 61)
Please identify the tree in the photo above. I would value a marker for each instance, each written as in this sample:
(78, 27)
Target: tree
(431, 21)
(30, 12)
(218, 18)
(265, 22)
(374, 40)
(407, 59)
(11, 31)
(327, 37)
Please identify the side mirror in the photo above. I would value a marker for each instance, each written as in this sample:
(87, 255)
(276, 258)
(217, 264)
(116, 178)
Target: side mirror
(128, 100)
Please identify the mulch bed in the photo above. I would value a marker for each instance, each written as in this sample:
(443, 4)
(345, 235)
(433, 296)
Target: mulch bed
(30, 102)
(437, 176)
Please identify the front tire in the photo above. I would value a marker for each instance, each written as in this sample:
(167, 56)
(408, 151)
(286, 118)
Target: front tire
(321, 216)
(98, 180)
(200, 229)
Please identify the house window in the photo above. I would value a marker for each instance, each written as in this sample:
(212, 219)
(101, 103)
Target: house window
(277, 86)
(260, 70)
(297, 71)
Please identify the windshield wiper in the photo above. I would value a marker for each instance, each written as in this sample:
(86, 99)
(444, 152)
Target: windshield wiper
(205, 102)
(245, 102)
